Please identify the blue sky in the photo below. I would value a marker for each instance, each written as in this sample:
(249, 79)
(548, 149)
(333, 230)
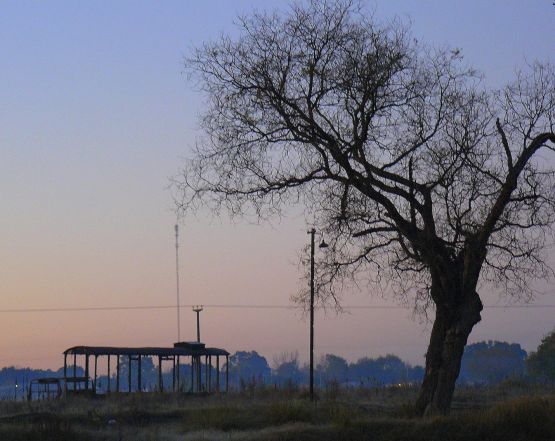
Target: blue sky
(97, 114)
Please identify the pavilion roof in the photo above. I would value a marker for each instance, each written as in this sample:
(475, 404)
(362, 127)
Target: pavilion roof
(143, 351)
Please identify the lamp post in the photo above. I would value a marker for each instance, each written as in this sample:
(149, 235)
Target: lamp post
(198, 310)
(312, 233)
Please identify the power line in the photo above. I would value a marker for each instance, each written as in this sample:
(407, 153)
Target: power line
(236, 306)
(142, 307)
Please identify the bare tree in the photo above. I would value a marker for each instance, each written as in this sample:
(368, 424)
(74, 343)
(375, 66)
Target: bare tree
(416, 172)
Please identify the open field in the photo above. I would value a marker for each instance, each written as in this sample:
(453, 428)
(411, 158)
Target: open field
(510, 412)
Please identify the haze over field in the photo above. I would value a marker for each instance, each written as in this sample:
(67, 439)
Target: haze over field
(96, 117)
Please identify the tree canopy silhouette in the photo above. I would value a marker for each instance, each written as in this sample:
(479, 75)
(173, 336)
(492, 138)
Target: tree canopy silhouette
(541, 363)
(417, 173)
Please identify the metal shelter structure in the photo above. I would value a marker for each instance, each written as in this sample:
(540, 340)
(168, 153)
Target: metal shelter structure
(194, 352)
(45, 388)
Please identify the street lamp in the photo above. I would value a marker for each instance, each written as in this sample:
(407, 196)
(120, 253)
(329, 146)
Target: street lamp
(323, 244)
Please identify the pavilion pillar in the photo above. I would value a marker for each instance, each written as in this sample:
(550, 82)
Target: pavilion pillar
(139, 376)
(227, 373)
(218, 373)
(74, 370)
(160, 385)
(87, 372)
(199, 374)
(95, 370)
(196, 374)
(129, 373)
(117, 373)
(209, 373)
(65, 372)
(109, 387)
(192, 374)
(173, 373)
(178, 374)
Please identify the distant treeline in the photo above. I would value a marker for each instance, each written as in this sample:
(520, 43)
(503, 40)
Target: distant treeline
(483, 363)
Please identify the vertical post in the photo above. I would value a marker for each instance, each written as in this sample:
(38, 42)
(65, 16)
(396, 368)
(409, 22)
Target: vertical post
(173, 374)
(206, 373)
(139, 376)
(95, 367)
(312, 232)
(218, 373)
(117, 373)
(178, 374)
(199, 373)
(109, 387)
(209, 373)
(227, 373)
(192, 374)
(87, 372)
(74, 370)
(160, 385)
(65, 373)
(129, 373)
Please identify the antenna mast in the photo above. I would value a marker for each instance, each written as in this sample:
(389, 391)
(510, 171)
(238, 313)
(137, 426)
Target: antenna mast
(177, 281)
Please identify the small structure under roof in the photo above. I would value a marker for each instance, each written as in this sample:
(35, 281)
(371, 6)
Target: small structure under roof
(194, 352)
(45, 388)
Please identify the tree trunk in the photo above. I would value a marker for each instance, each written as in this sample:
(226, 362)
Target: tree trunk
(452, 326)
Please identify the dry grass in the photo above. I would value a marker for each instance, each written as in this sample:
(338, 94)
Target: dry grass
(377, 415)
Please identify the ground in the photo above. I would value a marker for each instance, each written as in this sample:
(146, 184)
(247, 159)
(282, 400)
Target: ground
(508, 412)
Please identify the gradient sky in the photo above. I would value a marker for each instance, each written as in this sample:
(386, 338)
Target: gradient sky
(96, 115)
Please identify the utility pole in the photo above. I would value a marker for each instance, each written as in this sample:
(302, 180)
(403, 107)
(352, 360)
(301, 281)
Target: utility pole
(198, 310)
(312, 232)
(177, 282)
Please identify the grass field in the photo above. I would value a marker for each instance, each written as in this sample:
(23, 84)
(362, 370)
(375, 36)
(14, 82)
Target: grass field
(509, 412)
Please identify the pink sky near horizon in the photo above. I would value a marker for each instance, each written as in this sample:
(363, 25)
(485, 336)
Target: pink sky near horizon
(97, 116)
